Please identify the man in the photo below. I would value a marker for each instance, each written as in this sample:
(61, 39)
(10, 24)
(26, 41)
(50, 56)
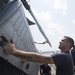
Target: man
(45, 69)
(63, 61)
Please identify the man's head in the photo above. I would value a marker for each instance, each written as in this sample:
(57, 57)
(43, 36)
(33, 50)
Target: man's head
(66, 43)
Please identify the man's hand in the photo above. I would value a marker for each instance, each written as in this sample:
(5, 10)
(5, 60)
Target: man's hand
(9, 48)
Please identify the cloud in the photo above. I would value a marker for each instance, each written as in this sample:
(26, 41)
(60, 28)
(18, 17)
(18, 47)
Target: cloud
(41, 15)
(45, 19)
(61, 5)
(73, 21)
(46, 22)
(55, 29)
(44, 16)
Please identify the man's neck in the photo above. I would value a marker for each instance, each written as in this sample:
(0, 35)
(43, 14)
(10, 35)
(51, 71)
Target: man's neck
(63, 51)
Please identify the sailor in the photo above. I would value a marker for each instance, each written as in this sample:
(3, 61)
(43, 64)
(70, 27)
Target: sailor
(63, 60)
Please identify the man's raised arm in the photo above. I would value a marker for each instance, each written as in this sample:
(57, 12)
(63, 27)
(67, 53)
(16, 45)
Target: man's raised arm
(9, 48)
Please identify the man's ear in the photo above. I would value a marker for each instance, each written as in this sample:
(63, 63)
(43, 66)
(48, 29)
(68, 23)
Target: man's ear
(69, 44)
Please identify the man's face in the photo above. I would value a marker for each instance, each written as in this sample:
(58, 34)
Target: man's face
(63, 44)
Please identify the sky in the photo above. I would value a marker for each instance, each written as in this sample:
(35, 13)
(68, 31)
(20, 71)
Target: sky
(57, 19)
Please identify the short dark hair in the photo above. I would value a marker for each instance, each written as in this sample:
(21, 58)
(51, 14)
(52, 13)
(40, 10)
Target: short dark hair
(70, 40)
